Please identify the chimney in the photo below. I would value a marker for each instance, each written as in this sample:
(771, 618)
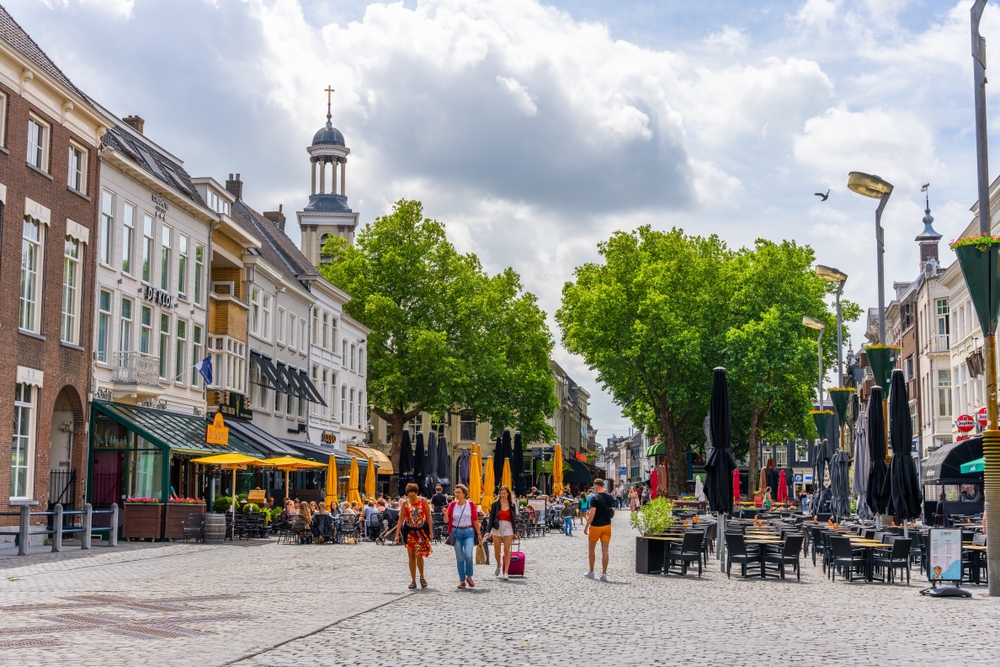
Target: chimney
(235, 186)
(277, 217)
(135, 122)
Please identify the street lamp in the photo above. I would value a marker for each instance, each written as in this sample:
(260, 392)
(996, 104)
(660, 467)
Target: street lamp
(839, 277)
(820, 327)
(876, 188)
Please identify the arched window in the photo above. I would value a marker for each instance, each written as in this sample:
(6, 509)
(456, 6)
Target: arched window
(324, 257)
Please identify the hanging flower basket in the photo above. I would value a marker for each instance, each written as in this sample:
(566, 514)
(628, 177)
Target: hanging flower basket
(882, 359)
(979, 257)
(841, 397)
(820, 418)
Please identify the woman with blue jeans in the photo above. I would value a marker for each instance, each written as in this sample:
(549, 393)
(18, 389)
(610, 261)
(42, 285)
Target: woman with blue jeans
(463, 529)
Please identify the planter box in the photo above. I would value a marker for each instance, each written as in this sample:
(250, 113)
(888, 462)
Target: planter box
(649, 555)
(143, 520)
(176, 514)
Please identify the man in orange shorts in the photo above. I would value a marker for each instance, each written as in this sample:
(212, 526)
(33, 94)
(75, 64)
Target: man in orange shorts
(598, 528)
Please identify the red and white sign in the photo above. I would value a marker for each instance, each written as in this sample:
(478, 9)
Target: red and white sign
(965, 423)
(982, 418)
(960, 438)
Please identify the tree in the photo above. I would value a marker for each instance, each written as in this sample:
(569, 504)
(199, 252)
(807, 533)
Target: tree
(444, 335)
(650, 320)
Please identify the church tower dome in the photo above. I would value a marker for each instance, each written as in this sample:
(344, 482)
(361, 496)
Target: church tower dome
(928, 239)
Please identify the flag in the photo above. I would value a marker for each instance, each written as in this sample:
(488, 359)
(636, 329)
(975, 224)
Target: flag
(205, 368)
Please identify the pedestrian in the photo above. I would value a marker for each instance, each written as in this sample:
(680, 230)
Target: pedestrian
(584, 506)
(414, 529)
(633, 499)
(439, 500)
(598, 527)
(567, 518)
(463, 528)
(619, 493)
(503, 514)
(645, 494)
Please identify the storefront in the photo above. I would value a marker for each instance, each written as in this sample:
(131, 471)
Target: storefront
(383, 466)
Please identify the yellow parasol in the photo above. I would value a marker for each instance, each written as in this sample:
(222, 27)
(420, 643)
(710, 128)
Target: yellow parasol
(370, 479)
(331, 484)
(557, 471)
(505, 475)
(232, 462)
(288, 464)
(352, 485)
(489, 486)
(475, 478)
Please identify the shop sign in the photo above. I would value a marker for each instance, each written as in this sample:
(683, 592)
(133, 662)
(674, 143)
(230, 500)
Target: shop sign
(104, 394)
(797, 477)
(808, 479)
(622, 471)
(965, 423)
(158, 296)
(580, 456)
(235, 405)
(960, 438)
(217, 433)
(982, 417)
(162, 206)
(328, 437)
(27, 375)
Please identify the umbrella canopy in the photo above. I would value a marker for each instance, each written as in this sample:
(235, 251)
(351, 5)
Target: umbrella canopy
(232, 462)
(406, 454)
(498, 456)
(517, 463)
(444, 461)
(353, 496)
(331, 483)
(699, 488)
(979, 465)
(475, 477)
(662, 478)
(420, 464)
(862, 462)
(904, 487)
(721, 463)
(878, 472)
(654, 484)
(839, 469)
(737, 492)
(464, 462)
(505, 479)
(370, 479)
(763, 480)
(489, 485)
(289, 464)
(557, 471)
(782, 487)
(432, 462)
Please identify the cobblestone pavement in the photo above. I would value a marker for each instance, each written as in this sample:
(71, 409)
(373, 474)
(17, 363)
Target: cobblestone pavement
(265, 605)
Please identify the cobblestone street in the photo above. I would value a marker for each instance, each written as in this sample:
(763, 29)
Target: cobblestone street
(261, 604)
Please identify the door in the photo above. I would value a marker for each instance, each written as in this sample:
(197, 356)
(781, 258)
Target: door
(108, 482)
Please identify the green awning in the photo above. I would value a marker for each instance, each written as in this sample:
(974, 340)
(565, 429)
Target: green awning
(171, 431)
(974, 466)
(656, 449)
(546, 466)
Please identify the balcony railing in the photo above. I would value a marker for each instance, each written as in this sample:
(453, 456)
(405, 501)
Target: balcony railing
(135, 368)
(940, 343)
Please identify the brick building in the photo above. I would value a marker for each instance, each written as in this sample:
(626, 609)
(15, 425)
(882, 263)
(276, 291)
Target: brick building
(49, 140)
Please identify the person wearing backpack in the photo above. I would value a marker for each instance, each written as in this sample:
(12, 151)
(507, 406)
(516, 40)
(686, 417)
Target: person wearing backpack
(598, 527)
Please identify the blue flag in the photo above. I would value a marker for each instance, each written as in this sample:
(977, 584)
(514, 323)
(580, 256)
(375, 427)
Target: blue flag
(205, 368)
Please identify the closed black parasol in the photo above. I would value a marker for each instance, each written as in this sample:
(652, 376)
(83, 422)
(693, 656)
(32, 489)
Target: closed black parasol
(420, 464)
(498, 456)
(720, 464)
(405, 462)
(444, 463)
(878, 472)
(903, 492)
(517, 467)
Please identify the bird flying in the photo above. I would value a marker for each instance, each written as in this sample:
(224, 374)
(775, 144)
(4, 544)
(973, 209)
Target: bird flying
(822, 197)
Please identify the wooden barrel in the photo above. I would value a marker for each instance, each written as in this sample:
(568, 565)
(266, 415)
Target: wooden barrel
(215, 528)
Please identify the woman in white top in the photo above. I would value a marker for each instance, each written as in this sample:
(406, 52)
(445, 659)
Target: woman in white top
(463, 531)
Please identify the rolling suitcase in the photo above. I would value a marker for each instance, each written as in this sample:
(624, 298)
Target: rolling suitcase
(516, 567)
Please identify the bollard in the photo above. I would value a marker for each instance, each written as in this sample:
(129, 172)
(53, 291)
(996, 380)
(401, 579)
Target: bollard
(88, 524)
(25, 536)
(57, 524)
(113, 533)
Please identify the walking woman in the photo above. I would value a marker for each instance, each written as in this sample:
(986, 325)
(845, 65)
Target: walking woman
(503, 514)
(463, 528)
(584, 506)
(633, 499)
(414, 529)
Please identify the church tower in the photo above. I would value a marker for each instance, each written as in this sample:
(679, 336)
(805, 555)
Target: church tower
(327, 213)
(928, 240)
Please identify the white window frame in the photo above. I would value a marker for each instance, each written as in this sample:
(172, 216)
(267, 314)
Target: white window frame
(148, 242)
(38, 156)
(291, 331)
(343, 403)
(3, 119)
(103, 323)
(343, 353)
(106, 250)
(324, 343)
(266, 306)
(314, 334)
(72, 292)
(303, 336)
(280, 325)
(23, 440)
(361, 361)
(361, 408)
(146, 330)
(183, 247)
(164, 346)
(166, 234)
(125, 317)
(180, 349)
(129, 212)
(255, 310)
(463, 419)
(197, 337)
(76, 176)
(199, 271)
(353, 349)
(30, 302)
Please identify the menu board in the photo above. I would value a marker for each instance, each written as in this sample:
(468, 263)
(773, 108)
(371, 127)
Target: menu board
(946, 554)
(538, 504)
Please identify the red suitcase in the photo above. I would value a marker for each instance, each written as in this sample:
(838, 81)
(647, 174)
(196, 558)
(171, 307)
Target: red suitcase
(516, 566)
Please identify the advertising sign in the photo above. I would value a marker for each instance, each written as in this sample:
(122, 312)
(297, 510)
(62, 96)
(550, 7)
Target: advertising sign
(797, 477)
(965, 423)
(622, 471)
(982, 418)
(946, 554)
(539, 504)
(809, 478)
(217, 433)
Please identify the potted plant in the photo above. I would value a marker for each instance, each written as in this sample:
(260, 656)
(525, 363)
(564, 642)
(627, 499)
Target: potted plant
(143, 518)
(979, 257)
(177, 512)
(651, 520)
(820, 418)
(882, 359)
(841, 397)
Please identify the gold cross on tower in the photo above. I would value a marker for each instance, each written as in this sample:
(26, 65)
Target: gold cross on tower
(329, 91)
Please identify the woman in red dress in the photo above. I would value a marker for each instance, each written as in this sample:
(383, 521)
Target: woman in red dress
(414, 529)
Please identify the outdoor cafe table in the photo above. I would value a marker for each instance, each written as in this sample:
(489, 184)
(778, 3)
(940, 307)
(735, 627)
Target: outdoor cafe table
(763, 541)
(869, 546)
(976, 552)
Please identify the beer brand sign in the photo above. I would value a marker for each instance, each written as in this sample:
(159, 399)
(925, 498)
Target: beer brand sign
(217, 433)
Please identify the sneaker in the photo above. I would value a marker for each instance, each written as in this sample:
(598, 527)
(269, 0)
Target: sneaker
(469, 581)
(589, 575)
(604, 577)
(497, 573)
(461, 584)
(504, 576)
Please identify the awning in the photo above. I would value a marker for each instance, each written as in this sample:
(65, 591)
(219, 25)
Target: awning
(288, 376)
(579, 474)
(308, 385)
(656, 449)
(979, 465)
(174, 432)
(275, 379)
(317, 452)
(382, 461)
(260, 438)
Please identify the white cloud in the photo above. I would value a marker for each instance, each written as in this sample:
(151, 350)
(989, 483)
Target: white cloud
(729, 39)
(713, 187)
(520, 94)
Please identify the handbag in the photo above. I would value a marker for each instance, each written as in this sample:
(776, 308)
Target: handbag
(450, 540)
(481, 558)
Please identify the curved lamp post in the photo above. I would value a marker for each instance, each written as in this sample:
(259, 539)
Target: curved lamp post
(839, 277)
(876, 188)
(820, 327)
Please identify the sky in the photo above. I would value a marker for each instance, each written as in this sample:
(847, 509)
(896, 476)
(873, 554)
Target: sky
(534, 130)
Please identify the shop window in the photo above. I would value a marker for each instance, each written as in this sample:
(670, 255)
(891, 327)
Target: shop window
(23, 442)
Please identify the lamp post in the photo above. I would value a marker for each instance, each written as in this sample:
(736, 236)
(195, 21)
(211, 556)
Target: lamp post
(876, 188)
(820, 327)
(839, 277)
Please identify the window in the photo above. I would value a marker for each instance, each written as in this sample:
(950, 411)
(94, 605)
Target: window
(801, 452)
(69, 331)
(147, 248)
(302, 408)
(352, 357)
(290, 403)
(303, 337)
(908, 368)
(195, 355)
(125, 327)
(165, 259)
(199, 270)
(361, 361)
(217, 203)
(343, 352)
(235, 364)
(182, 265)
(77, 177)
(314, 334)
(31, 269)
(277, 402)
(22, 453)
(128, 234)
(324, 389)
(280, 324)
(943, 323)
(343, 404)
(145, 330)
(350, 413)
(107, 230)
(38, 140)
(291, 330)
(944, 393)
(781, 459)
(324, 340)
(180, 352)
(330, 396)
(3, 118)
(325, 258)
(254, 310)
(266, 315)
(103, 325)
(467, 427)
(164, 344)
(332, 345)
(361, 409)
(914, 426)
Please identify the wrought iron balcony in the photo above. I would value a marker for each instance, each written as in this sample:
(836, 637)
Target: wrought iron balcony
(135, 368)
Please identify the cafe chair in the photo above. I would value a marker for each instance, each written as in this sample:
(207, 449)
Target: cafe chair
(788, 555)
(898, 558)
(847, 558)
(194, 527)
(689, 551)
(737, 552)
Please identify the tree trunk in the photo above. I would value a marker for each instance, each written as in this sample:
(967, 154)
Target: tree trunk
(398, 421)
(754, 465)
(676, 464)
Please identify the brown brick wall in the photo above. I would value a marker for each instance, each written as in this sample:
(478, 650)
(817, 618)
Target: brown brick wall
(227, 319)
(223, 274)
(64, 366)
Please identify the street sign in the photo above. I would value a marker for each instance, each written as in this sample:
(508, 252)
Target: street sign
(809, 479)
(982, 417)
(622, 471)
(797, 477)
(965, 423)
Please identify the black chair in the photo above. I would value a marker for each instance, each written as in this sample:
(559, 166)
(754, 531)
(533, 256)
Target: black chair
(708, 545)
(897, 558)
(787, 555)
(817, 544)
(349, 529)
(194, 526)
(846, 557)
(737, 552)
(688, 551)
